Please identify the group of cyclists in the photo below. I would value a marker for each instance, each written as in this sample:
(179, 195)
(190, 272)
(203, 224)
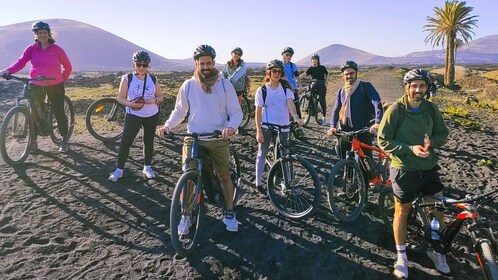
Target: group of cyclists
(409, 130)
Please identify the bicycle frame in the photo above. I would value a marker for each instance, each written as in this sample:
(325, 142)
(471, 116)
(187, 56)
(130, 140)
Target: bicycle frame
(283, 148)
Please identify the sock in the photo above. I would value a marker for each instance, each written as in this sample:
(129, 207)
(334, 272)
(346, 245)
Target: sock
(401, 249)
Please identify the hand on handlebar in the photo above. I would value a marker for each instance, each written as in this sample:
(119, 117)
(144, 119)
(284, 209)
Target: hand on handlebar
(227, 132)
(374, 128)
(4, 73)
(162, 130)
(331, 131)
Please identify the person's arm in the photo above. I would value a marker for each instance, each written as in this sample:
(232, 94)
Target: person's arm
(258, 113)
(239, 73)
(374, 98)
(66, 64)
(387, 129)
(233, 106)
(158, 95)
(334, 116)
(123, 95)
(305, 74)
(21, 62)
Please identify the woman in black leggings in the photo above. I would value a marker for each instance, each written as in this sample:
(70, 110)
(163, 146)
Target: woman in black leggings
(319, 73)
(141, 93)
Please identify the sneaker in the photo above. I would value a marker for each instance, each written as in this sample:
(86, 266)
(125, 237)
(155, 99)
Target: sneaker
(230, 221)
(184, 226)
(324, 122)
(439, 261)
(34, 147)
(114, 176)
(262, 191)
(148, 172)
(401, 268)
(64, 147)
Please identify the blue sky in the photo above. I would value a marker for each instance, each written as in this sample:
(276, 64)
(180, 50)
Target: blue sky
(262, 28)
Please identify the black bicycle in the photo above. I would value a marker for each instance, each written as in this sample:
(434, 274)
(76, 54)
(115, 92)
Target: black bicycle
(188, 196)
(105, 119)
(309, 105)
(419, 227)
(247, 111)
(294, 187)
(18, 127)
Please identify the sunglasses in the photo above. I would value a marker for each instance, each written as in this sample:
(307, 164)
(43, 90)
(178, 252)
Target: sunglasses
(276, 71)
(144, 65)
(236, 53)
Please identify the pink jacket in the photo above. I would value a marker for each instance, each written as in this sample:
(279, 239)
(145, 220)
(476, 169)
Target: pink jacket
(45, 62)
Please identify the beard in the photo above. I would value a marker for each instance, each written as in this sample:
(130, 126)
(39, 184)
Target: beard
(209, 73)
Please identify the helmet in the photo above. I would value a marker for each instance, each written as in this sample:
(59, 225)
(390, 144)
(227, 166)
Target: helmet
(416, 74)
(274, 63)
(349, 64)
(141, 56)
(40, 25)
(204, 50)
(239, 50)
(315, 56)
(288, 50)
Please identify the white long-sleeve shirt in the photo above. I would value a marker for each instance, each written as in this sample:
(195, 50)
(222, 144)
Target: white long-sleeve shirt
(208, 111)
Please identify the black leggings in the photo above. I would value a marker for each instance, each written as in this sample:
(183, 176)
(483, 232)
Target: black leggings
(296, 102)
(131, 127)
(55, 95)
(321, 90)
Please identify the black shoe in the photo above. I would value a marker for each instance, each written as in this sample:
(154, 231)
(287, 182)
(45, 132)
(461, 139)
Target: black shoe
(64, 147)
(34, 147)
(262, 191)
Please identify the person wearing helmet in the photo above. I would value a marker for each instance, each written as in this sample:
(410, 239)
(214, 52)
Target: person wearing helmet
(274, 102)
(318, 72)
(410, 131)
(291, 73)
(211, 104)
(235, 71)
(141, 94)
(46, 60)
(355, 103)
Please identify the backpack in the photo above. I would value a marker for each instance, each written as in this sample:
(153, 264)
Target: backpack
(264, 93)
(130, 77)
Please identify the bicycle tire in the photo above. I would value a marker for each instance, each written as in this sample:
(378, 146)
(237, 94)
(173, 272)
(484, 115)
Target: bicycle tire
(69, 112)
(235, 175)
(16, 139)
(319, 117)
(273, 155)
(246, 111)
(346, 195)
(417, 222)
(185, 244)
(105, 119)
(302, 197)
(304, 107)
(488, 259)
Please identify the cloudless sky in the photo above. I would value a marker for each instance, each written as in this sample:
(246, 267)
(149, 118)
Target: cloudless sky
(262, 29)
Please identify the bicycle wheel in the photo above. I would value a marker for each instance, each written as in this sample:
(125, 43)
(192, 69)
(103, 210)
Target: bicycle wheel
(488, 260)
(105, 119)
(304, 107)
(319, 117)
(246, 110)
(346, 191)
(15, 135)
(273, 155)
(185, 203)
(301, 195)
(235, 175)
(69, 112)
(386, 207)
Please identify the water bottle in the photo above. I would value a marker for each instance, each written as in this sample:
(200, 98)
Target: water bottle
(434, 229)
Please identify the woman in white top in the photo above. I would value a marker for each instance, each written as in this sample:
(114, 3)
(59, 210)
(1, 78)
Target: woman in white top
(141, 95)
(273, 108)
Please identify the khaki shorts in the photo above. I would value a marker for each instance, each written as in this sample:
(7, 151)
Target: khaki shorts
(218, 150)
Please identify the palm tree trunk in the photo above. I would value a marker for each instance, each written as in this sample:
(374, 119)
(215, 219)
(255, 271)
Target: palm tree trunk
(446, 66)
(451, 60)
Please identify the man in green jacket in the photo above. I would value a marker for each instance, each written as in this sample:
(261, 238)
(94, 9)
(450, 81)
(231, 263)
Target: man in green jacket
(409, 132)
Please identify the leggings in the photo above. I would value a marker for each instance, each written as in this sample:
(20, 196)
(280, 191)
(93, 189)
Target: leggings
(321, 90)
(55, 95)
(296, 103)
(131, 127)
(263, 152)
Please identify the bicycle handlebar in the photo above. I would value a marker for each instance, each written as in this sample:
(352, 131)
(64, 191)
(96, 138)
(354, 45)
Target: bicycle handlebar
(291, 126)
(443, 201)
(214, 134)
(26, 80)
(339, 133)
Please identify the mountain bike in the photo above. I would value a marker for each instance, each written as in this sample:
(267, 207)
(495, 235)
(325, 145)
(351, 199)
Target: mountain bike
(188, 196)
(247, 111)
(24, 120)
(309, 105)
(294, 187)
(105, 119)
(419, 229)
(347, 185)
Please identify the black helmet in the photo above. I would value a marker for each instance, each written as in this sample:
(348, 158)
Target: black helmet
(288, 50)
(416, 74)
(274, 63)
(349, 64)
(315, 56)
(40, 25)
(141, 56)
(204, 50)
(239, 50)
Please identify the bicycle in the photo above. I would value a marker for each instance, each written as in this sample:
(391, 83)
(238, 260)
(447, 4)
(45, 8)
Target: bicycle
(105, 119)
(188, 196)
(294, 187)
(347, 187)
(309, 105)
(246, 107)
(18, 127)
(419, 229)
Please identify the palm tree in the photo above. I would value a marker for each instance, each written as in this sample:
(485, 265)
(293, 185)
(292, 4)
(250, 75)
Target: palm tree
(449, 22)
(458, 44)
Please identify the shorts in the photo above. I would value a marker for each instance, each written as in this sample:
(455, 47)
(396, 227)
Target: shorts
(407, 184)
(219, 152)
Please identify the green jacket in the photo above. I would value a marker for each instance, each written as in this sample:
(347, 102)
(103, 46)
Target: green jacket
(398, 141)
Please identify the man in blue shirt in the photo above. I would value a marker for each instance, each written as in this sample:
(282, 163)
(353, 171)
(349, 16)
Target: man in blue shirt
(291, 72)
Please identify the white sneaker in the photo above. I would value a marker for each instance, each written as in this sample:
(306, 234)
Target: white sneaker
(439, 261)
(401, 268)
(148, 172)
(231, 221)
(184, 226)
(114, 176)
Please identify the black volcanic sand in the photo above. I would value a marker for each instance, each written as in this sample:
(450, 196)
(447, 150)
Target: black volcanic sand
(61, 219)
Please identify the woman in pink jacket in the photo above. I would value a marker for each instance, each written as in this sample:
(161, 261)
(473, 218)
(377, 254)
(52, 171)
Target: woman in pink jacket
(46, 60)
